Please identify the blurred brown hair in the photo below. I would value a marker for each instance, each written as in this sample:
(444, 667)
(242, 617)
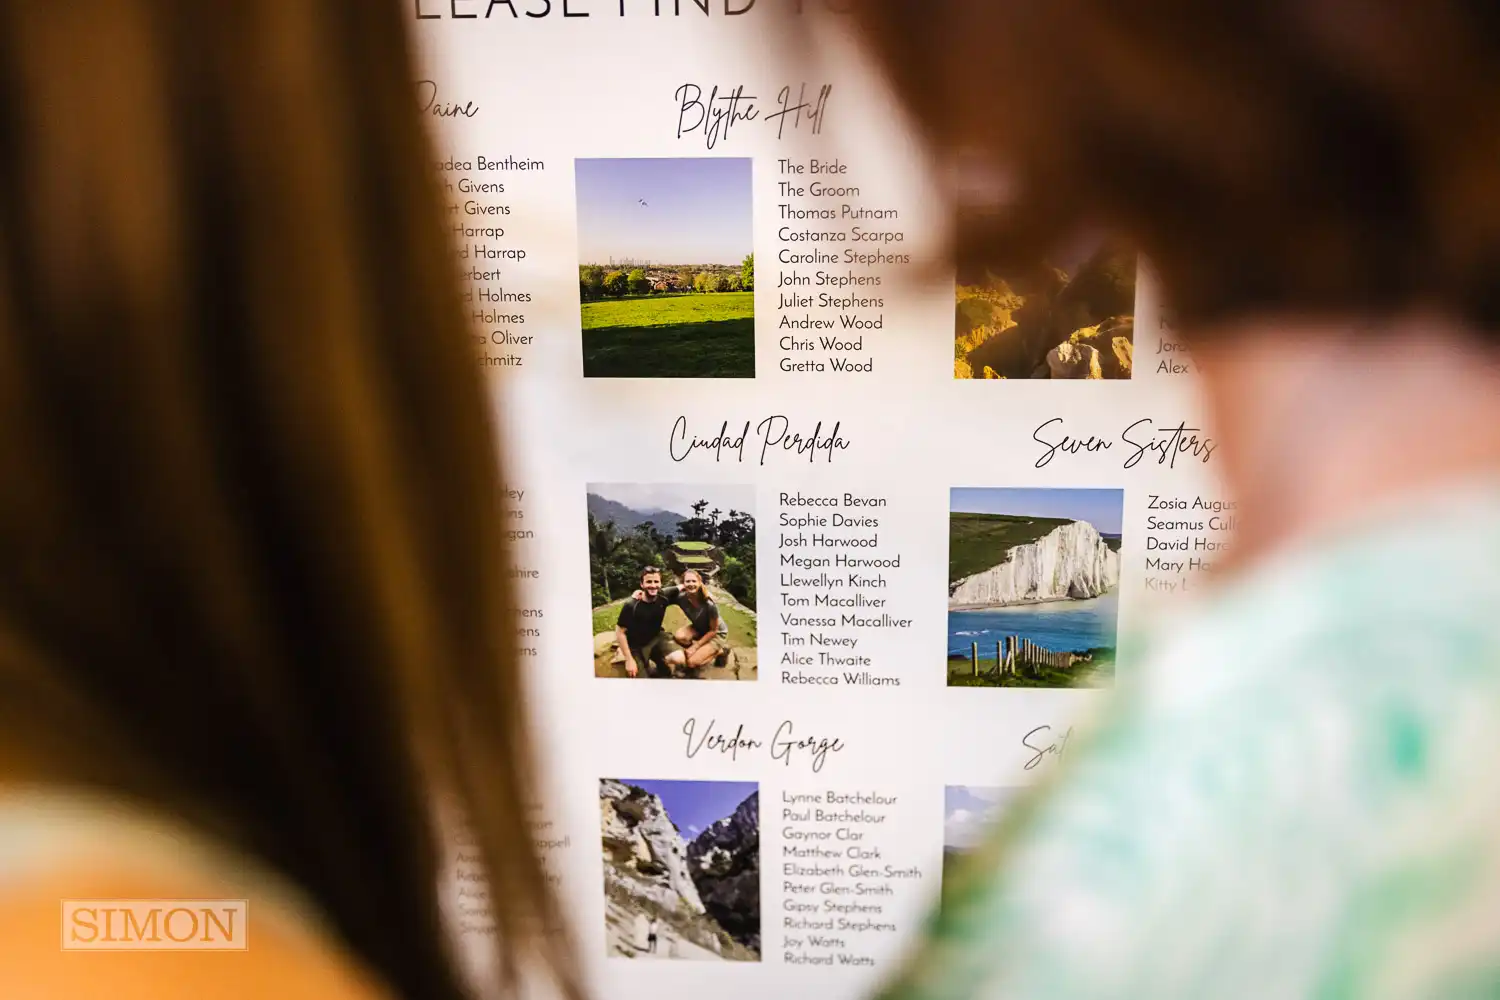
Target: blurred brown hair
(251, 564)
(1315, 156)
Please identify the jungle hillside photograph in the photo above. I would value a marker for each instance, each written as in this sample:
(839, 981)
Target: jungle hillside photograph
(672, 579)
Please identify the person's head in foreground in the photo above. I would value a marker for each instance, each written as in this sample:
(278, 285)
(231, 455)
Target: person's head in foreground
(251, 581)
(1291, 795)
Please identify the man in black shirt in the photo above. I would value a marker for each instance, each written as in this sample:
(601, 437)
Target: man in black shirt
(705, 638)
(638, 630)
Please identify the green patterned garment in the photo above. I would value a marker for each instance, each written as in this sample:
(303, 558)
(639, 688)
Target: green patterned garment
(1297, 797)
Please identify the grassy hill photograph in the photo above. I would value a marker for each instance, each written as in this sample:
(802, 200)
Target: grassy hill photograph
(970, 813)
(1068, 319)
(979, 541)
(1033, 580)
(666, 271)
(705, 532)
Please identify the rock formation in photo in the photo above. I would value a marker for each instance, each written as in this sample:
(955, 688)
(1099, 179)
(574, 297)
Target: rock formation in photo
(1047, 324)
(1071, 562)
(725, 865)
(650, 871)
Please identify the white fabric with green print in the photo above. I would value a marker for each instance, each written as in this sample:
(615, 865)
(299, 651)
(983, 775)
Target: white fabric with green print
(1296, 796)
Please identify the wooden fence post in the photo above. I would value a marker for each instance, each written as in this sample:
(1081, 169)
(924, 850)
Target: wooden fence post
(974, 657)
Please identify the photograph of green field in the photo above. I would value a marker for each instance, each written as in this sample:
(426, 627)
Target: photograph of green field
(666, 271)
(672, 335)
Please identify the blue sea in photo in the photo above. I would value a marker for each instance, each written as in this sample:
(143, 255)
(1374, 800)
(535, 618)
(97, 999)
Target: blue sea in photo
(1057, 625)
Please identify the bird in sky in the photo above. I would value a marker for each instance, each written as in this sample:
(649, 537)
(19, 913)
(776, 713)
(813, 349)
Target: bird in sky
(643, 202)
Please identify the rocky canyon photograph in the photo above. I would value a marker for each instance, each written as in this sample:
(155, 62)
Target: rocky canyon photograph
(1033, 587)
(681, 869)
(1070, 317)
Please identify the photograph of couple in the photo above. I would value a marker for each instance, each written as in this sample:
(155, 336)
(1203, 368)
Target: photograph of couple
(672, 569)
(646, 646)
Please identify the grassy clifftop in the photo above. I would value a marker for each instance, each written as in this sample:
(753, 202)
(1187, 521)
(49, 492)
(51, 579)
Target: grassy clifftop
(978, 541)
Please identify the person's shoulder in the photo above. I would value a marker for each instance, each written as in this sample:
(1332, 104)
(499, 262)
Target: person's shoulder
(282, 959)
(1340, 622)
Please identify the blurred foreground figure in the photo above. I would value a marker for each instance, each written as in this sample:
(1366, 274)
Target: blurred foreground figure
(253, 618)
(1295, 796)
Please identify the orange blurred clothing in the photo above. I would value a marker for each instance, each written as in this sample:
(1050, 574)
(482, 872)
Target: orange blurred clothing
(57, 846)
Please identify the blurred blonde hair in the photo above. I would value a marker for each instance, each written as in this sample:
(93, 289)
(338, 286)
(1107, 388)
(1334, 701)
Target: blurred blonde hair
(251, 563)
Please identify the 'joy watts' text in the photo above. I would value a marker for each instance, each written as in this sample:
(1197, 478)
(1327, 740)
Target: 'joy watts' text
(784, 746)
(773, 433)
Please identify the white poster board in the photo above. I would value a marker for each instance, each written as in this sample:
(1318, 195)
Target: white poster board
(925, 579)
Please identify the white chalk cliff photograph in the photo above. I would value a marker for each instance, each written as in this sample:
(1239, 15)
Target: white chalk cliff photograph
(681, 869)
(1033, 587)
